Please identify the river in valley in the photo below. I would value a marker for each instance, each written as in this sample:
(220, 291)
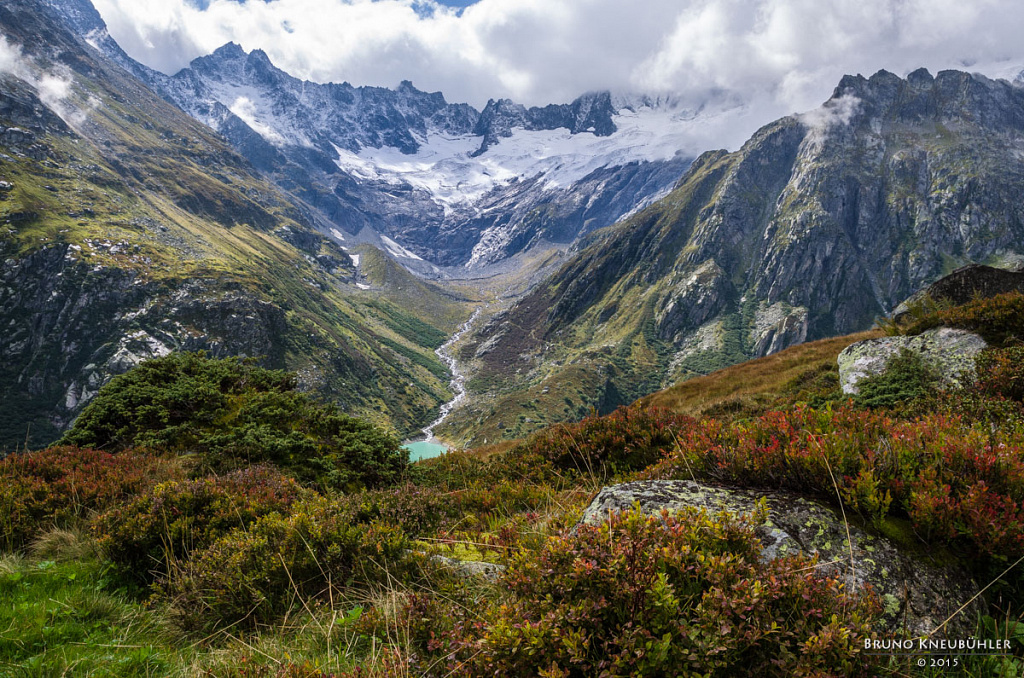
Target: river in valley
(429, 446)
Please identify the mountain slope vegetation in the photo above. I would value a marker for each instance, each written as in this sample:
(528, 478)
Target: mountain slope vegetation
(261, 572)
(130, 230)
(817, 226)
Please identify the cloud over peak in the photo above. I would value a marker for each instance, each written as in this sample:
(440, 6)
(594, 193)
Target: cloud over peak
(779, 55)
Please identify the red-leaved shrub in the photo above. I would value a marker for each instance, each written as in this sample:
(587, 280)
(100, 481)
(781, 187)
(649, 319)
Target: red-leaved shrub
(60, 485)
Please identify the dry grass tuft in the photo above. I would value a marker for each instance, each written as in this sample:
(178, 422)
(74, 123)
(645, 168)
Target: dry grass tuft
(65, 544)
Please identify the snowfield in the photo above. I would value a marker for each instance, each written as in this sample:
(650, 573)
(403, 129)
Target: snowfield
(444, 167)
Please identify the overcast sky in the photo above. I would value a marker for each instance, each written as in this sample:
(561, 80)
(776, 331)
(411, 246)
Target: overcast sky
(785, 54)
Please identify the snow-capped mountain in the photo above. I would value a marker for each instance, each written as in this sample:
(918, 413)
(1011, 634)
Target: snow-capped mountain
(447, 183)
(451, 184)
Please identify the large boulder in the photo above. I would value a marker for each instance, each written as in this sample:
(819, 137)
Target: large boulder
(949, 352)
(965, 284)
(918, 591)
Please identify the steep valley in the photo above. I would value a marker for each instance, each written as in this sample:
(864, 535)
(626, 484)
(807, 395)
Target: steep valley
(820, 224)
(347, 232)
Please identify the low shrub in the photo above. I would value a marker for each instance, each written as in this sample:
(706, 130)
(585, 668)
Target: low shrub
(315, 443)
(999, 319)
(1001, 373)
(60, 486)
(629, 439)
(655, 596)
(232, 414)
(416, 510)
(957, 480)
(256, 575)
(144, 538)
(906, 377)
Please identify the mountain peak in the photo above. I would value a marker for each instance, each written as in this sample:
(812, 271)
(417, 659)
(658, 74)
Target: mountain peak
(230, 50)
(79, 15)
(920, 77)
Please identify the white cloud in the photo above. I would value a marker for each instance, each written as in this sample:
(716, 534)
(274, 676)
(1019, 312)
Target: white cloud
(779, 56)
(11, 60)
(835, 113)
(54, 87)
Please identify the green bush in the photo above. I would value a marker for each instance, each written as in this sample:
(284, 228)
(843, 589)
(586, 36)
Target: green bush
(145, 538)
(416, 510)
(233, 413)
(61, 485)
(906, 377)
(657, 596)
(256, 575)
(170, 403)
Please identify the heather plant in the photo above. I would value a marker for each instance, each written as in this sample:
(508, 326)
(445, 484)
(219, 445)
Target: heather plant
(145, 537)
(1001, 373)
(629, 439)
(653, 596)
(958, 481)
(416, 510)
(61, 486)
(257, 574)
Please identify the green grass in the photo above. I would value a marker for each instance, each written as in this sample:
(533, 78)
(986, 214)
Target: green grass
(59, 618)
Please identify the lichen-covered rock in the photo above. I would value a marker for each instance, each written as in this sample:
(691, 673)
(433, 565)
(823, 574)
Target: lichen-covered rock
(470, 568)
(918, 593)
(950, 352)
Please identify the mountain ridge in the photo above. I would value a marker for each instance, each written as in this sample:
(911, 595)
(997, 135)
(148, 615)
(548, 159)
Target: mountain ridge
(294, 131)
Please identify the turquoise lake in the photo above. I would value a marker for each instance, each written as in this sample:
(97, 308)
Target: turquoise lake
(424, 450)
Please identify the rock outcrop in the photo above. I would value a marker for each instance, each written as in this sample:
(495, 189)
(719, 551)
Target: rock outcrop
(965, 284)
(469, 569)
(950, 352)
(918, 593)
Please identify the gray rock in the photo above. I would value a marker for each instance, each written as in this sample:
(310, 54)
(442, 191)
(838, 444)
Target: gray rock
(777, 327)
(950, 352)
(471, 568)
(917, 591)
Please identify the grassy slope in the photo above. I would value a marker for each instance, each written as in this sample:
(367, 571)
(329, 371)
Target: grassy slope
(764, 377)
(762, 380)
(63, 617)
